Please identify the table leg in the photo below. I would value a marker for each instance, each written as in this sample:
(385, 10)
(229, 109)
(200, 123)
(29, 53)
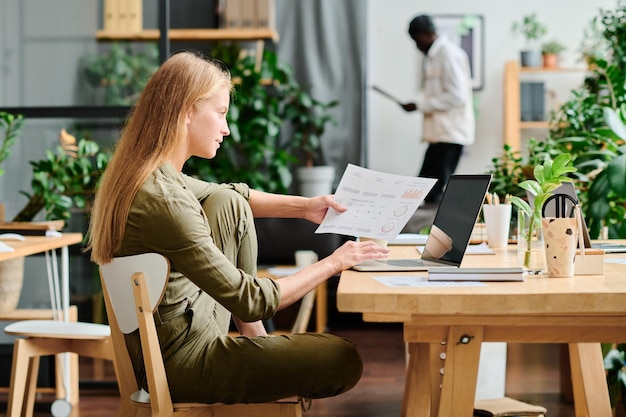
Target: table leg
(321, 308)
(591, 394)
(460, 371)
(417, 394)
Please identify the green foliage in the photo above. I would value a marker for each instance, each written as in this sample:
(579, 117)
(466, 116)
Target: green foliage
(553, 47)
(507, 173)
(588, 126)
(614, 31)
(593, 45)
(61, 181)
(12, 127)
(267, 102)
(547, 178)
(530, 28)
(122, 72)
(614, 363)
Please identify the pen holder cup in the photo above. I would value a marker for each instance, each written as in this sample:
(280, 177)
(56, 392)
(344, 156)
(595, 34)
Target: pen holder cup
(497, 222)
(560, 235)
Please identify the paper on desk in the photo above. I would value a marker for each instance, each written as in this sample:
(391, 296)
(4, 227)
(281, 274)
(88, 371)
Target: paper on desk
(5, 248)
(422, 281)
(379, 204)
(409, 239)
(480, 249)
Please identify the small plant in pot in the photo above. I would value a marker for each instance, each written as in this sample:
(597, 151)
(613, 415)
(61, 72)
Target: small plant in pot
(64, 180)
(532, 30)
(547, 177)
(550, 51)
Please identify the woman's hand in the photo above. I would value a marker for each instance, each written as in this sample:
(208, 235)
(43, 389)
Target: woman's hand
(316, 207)
(352, 253)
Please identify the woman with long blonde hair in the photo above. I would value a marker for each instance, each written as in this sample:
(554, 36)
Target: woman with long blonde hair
(146, 204)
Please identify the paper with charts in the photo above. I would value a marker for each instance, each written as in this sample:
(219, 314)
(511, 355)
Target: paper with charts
(379, 205)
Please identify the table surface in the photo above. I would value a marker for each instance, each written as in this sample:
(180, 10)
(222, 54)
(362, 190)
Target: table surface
(454, 320)
(38, 244)
(539, 295)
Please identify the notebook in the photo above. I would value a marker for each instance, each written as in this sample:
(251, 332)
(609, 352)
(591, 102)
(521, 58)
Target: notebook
(451, 230)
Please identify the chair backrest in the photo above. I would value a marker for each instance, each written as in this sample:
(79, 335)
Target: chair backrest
(133, 287)
(117, 279)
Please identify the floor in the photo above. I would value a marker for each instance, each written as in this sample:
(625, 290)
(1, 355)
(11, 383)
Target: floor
(532, 376)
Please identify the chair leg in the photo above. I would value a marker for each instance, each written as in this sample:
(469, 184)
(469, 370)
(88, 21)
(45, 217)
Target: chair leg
(23, 384)
(31, 386)
(72, 383)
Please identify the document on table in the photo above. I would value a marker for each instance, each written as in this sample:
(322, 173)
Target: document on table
(379, 204)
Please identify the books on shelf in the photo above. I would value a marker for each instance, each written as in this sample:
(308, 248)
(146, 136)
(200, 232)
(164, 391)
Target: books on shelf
(248, 14)
(475, 274)
(125, 16)
(532, 97)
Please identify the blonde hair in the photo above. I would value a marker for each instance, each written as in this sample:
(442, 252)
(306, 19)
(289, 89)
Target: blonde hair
(155, 128)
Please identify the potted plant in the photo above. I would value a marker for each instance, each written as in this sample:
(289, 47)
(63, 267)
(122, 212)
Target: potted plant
(121, 73)
(11, 271)
(550, 52)
(532, 30)
(64, 180)
(594, 46)
(547, 177)
(308, 118)
(274, 123)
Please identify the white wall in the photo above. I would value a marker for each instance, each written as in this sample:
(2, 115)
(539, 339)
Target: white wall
(394, 136)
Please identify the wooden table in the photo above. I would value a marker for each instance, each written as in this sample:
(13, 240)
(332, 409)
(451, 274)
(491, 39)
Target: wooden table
(445, 326)
(32, 245)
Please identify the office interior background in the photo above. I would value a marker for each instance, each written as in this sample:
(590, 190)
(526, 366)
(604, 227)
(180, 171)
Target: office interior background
(338, 48)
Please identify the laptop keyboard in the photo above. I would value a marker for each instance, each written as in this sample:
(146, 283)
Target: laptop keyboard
(402, 262)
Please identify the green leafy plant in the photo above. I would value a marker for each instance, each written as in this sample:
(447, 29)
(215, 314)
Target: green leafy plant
(11, 126)
(308, 118)
(614, 355)
(586, 124)
(122, 72)
(594, 46)
(63, 180)
(547, 177)
(530, 28)
(273, 120)
(553, 47)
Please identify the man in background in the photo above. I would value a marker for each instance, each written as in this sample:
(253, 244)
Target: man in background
(445, 99)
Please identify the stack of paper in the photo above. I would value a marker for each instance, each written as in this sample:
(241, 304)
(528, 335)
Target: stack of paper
(475, 274)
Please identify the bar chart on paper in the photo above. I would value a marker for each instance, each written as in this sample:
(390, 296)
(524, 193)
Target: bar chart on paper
(379, 204)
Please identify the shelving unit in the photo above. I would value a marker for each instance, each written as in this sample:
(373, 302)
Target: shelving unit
(513, 125)
(192, 35)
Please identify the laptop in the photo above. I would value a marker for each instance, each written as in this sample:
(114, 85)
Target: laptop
(451, 230)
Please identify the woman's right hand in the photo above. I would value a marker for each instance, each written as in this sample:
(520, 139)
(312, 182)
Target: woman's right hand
(352, 253)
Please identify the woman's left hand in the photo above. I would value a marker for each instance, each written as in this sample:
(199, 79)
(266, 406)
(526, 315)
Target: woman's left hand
(316, 208)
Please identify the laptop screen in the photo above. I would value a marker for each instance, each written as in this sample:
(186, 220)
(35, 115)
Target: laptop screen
(455, 218)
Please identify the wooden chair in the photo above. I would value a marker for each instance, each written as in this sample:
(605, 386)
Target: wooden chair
(63, 337)
(133, 287)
